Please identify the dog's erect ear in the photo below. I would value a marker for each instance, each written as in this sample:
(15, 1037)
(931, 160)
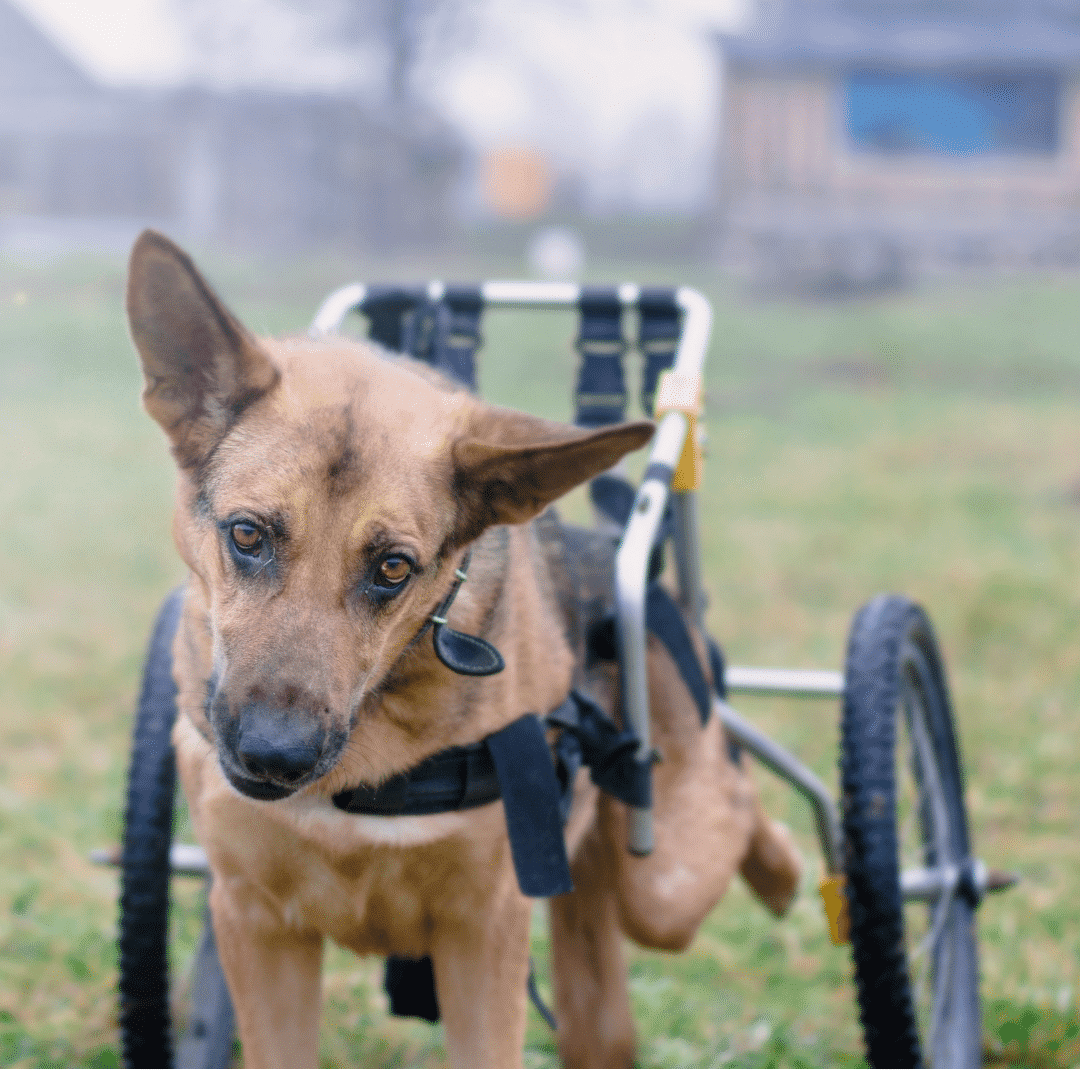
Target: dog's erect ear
(511, 465)
(202, 367)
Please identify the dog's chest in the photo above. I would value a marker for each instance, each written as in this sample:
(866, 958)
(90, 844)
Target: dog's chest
(372, 884)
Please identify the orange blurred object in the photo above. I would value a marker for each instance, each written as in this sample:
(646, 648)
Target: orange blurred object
(517, 182)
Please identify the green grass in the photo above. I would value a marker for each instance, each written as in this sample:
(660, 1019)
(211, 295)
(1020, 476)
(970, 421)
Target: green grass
(922, 444)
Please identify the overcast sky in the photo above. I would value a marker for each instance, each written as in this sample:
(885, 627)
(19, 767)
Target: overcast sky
(623, 92)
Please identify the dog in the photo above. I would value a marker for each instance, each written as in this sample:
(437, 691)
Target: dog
(328, 496)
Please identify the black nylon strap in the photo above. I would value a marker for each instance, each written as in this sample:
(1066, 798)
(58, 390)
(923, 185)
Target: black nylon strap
(530, 791)
(457, 335)
(664, 619)
(658, 339)
(386, 308)
(458, 778)
(600, 396)
(419, 329)
(590, 737)
(410, 985)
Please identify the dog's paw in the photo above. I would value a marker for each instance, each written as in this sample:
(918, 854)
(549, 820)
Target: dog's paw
(773, 866)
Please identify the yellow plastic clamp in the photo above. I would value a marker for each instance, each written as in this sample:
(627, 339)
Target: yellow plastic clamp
(836, 908)
(682, 393)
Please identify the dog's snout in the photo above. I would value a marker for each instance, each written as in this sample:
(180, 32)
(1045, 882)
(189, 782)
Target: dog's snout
(286, 762)
(273, 745)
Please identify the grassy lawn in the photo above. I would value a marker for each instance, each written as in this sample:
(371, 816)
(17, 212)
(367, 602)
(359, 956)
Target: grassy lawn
(922, 444)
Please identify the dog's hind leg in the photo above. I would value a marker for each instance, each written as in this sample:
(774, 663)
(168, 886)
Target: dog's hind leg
(596, 1029)
(273, 972)
(704, 810)
(772, 867)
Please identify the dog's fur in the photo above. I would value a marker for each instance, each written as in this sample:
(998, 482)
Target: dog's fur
(312, 475)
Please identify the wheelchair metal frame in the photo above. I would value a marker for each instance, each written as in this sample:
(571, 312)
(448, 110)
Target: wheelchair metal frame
(665, 485)
(632, 559)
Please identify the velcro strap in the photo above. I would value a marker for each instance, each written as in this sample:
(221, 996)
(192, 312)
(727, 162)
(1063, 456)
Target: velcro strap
(609, 754)
(664, 619)
(600, 397)
(386, 308)
(457, 334)
(658, 339)
(530, 792)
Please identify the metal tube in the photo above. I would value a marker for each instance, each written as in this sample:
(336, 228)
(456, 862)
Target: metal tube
(928, 882)
(696, 328)
(749, 680)
(631, 579)
(787, 766)
(335, 307)
(688, 555)
(530, 293)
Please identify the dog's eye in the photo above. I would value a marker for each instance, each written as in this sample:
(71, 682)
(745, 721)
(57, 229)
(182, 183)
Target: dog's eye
(393, 571)
(247, 538)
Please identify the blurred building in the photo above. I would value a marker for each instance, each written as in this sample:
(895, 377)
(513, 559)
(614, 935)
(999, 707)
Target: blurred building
(868, 140)
(85, 165)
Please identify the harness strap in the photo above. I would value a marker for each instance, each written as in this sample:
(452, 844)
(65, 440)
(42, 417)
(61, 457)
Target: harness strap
(387, 308)
(658, 339)
(531, 797)
(455, 779)
(600, 396)
(515, 764)
(664, 619)
(457, 333)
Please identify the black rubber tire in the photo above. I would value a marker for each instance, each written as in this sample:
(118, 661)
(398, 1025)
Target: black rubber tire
(145, 1020)
(895, 688)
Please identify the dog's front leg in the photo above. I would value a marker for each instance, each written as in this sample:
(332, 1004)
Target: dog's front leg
(274, 974)
(481, 974)
(589, 976)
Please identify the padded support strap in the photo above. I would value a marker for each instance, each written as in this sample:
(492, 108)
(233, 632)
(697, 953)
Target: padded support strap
(410, 985)
(446, 334)
(386, 309)
(600, 397)
(658, 339)
(664, 619)
(457, 335)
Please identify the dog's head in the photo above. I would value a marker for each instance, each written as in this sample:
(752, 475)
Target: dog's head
(326, 495)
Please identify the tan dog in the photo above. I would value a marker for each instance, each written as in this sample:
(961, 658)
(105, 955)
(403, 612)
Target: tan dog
(327, 494)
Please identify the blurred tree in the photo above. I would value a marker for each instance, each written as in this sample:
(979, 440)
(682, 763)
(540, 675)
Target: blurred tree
(373, 46)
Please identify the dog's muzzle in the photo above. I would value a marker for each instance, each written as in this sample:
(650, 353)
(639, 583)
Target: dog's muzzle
(269, 753)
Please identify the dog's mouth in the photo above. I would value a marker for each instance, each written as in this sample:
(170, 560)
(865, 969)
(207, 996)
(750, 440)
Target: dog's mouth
(263, 790)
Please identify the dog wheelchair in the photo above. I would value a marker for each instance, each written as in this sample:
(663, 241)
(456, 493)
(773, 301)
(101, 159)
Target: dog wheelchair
(899, 841)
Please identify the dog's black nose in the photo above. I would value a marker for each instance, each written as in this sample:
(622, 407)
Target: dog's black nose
(278, 755)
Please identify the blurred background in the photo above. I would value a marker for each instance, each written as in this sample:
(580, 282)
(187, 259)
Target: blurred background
(822, 144)
(881, 199)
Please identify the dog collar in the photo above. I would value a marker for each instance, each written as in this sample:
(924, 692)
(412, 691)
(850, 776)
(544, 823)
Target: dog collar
(462, 653)
(517, 766)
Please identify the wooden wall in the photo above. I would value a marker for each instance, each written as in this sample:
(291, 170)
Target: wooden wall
(788, 171)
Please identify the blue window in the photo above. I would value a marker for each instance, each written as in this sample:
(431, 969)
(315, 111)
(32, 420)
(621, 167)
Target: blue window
(990, 112)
